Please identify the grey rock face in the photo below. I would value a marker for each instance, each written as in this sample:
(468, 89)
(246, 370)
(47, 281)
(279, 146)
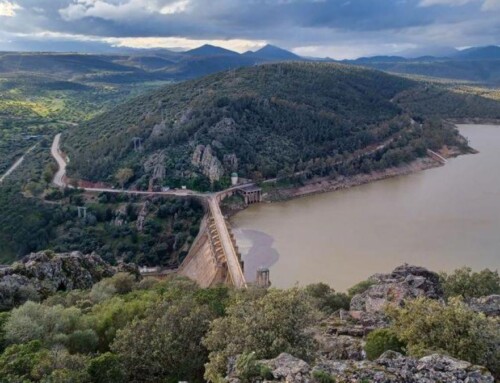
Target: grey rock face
(42, 274)
(391, 367)
(204, 158)
(405, 282)
(489, 306)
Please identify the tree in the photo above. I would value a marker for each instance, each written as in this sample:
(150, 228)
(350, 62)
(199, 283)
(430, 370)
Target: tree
(124, 175)
(35, 321)
(428, 326)
(267, 325)
(106, 368)
(380, 341)
(468, 284)
(326, 299)
(166, 344)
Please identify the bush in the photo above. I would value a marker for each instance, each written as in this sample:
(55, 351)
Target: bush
(428, 326)
(123, 282)
(359, 288)
(322, 377)
(326, 299)
(468, 284)
(106, 368)
(380, 341)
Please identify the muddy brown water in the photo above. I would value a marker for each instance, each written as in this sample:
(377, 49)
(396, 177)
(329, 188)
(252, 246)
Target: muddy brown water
(441, 218)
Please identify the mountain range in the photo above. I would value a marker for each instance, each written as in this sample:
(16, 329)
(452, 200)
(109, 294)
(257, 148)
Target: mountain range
(478, 64)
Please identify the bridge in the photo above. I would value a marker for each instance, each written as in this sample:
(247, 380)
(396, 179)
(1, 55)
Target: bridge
(213, 257)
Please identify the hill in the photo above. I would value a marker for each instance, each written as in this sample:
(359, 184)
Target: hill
(491, 52)
(210, 50)
(273, 53)
(268, 121)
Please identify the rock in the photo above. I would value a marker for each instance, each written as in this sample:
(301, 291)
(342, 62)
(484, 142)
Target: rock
(405, 282)
(489, 306)
(395, 368)
(41, 274)
(155, 165)
(340, 347)
(288, 368)
(224, 127)
(158, 130)
(204, 158)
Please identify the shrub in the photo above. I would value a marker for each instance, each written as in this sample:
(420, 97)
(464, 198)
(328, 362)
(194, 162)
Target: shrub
(123, 282)
(380, 341)
(359, 288)
(106, 368)
(322, 377)
(468, 284)
(428, 326)
(326, 299)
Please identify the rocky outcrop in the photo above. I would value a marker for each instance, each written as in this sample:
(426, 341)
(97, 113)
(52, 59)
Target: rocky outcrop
(155, 165)
(224, 127)
(158, 130)
(489, 306)
(41, 274)
(204, 158)
(405, 282)
(231, 162)
(391, 367)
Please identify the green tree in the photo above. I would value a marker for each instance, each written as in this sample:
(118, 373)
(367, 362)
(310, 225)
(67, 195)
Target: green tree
(380, 341)
(166, 344)
(428, 326)
(468, 284)
(106, 368)
(326, 299)
(267, 325)
(124, 175)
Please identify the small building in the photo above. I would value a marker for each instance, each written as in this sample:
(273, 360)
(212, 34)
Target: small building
(251, 194)
(234, 179)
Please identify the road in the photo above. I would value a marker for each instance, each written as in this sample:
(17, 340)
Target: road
(59, 178)
(232, 259)
(61, 162)
(16, 164)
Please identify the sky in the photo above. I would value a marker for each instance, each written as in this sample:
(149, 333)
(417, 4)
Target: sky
(322, 28)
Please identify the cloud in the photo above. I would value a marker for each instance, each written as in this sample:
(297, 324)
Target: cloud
(491, 5)
(338, 28)
(428, 3)
(8, 9)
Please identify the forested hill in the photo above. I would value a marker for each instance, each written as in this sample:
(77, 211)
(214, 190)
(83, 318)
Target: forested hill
(268, 121)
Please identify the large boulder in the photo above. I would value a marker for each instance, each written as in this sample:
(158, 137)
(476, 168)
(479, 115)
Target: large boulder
(489, 306)
(41, 274)
(405, 282)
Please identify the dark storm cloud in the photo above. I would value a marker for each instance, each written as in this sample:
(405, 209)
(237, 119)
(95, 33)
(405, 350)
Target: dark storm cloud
(291, 23)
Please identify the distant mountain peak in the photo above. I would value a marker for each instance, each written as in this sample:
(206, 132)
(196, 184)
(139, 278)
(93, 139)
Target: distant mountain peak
(210, 50)
(272, 52)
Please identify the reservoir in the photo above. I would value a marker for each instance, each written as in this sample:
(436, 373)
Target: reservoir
(443, 218)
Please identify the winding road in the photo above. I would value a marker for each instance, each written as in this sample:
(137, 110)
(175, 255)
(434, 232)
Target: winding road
(232, 259)
(16, 164)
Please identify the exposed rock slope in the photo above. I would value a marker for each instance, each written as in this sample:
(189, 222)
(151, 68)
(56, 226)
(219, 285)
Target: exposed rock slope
(41, 274)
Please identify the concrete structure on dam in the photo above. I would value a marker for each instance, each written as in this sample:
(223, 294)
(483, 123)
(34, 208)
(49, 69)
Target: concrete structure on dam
(214, 257)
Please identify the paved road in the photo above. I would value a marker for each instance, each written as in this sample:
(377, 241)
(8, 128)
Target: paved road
(233, 263)
(16, 164)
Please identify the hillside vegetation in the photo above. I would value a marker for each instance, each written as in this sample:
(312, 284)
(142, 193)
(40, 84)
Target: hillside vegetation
(270, 121)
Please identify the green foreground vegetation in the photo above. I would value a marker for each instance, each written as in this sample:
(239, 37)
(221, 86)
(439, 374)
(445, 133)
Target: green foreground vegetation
(123, 330)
